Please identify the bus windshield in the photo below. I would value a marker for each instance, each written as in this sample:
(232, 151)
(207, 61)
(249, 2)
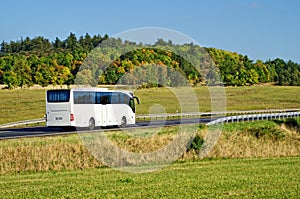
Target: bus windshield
(56, 96)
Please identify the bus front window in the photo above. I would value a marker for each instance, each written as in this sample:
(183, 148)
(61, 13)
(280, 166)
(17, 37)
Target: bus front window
(132, 105)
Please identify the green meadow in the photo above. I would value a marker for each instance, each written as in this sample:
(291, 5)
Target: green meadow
(214, 178)
(23, 104)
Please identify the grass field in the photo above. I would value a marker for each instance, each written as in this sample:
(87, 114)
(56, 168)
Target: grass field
(260, 159)
(16, 105)
(250, 160)
(214, 178)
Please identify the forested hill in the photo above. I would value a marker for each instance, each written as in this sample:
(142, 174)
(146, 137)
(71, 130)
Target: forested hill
(37, 60)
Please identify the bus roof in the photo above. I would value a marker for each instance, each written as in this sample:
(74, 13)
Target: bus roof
(90, 89)
(130, 93)
(94, 89)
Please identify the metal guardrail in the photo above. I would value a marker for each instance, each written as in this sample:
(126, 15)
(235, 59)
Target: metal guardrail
(249, 115)
(204, 114)
(254, 117)
(25, 122)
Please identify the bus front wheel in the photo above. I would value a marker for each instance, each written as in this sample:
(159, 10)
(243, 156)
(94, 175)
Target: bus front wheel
(123, 122)
(92, 124)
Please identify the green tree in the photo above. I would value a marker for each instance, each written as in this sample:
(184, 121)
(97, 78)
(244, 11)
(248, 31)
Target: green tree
(11, 79)
(85, 77)
(23, 71)
(40, 44)
(63, 75)
(58, 44)
(71, 42)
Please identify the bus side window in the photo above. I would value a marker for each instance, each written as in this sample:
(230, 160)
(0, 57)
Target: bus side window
(84, 98)
(121, 98)
(89, 98)
(124, 99)
(115, 98)
(103, 98)
(98, 98)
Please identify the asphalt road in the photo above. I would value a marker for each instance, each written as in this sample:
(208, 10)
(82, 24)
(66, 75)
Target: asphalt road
(50, 131)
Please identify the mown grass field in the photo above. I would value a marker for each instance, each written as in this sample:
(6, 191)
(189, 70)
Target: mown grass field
(214, 178)
(16, 105)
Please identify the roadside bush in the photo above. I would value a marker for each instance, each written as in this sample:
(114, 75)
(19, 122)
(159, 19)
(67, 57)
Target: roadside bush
(196, 144)
(266, 133)
(293, 123)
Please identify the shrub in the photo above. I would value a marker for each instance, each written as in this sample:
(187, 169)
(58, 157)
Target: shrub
(266, 132)
(196, 143)
(293, 123)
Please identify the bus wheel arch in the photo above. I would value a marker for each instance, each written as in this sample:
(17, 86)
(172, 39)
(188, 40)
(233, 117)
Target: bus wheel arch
(123, 122)
(92, 123)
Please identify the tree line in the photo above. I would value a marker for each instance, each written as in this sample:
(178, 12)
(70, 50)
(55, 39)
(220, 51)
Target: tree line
(239, 70)
(42, 46)
(36, 60)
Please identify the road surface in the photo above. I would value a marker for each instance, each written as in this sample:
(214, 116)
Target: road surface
(50, 131)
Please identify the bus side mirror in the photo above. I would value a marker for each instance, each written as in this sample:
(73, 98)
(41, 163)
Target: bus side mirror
(137, 99)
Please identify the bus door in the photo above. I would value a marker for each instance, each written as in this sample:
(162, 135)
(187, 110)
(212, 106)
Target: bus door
(102, 99)
(103, 114)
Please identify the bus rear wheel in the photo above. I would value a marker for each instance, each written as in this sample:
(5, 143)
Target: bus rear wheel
(92, 124)
(123, 122)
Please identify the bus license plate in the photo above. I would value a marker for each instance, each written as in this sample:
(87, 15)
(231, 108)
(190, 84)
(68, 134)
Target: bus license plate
(58, 118)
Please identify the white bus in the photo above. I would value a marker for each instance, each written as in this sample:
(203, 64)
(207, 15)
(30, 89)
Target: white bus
(89, 107)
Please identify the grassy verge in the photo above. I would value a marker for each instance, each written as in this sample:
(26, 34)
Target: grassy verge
(16, 105)
(248, 140)
(44, 154)
(258, 139)
(216, 178)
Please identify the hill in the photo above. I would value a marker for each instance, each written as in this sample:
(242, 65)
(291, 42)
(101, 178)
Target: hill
(39, 61)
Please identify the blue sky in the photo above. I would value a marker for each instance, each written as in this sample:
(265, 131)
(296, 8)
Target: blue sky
(261, 29)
